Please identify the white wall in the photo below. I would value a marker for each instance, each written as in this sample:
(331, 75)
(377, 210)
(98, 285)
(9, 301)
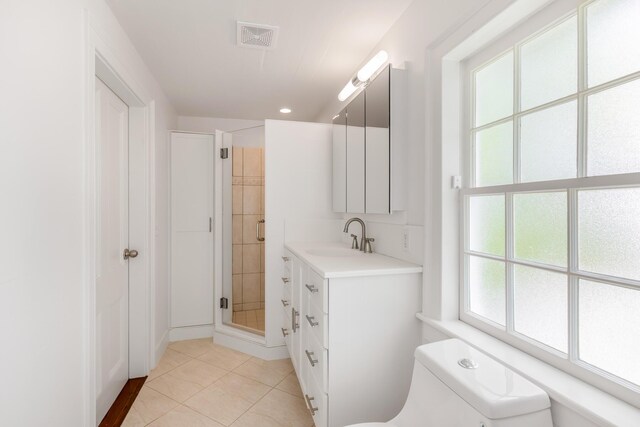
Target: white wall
(423, 23)
(41, 193)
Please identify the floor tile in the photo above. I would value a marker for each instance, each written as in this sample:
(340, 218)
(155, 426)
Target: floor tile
(224, 358)
(176, 388)
(182, 416)
(277, 408)
(198, 372)
(269, 372)
(193, 348)
(227, 399)
(290, 385)
(133, 419)
(151, 405)
(170, 359)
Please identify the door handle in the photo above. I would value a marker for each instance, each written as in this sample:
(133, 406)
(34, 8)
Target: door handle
(129, 253)
(311, 320)
(258, 238)
(312, 361)
(311, 407)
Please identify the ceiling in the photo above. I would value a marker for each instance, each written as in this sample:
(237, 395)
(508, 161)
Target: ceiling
(190, 47)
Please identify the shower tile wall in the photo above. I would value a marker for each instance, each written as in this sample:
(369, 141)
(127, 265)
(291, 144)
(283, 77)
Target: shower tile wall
(248, 209)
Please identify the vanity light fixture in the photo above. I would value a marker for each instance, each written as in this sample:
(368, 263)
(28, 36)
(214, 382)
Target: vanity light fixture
(285, 110)
(364, 74)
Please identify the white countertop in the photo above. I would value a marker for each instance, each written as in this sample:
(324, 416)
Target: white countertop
(348, 262)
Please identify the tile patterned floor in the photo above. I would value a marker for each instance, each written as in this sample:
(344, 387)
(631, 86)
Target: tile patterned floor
(253, 319)
(200, 384)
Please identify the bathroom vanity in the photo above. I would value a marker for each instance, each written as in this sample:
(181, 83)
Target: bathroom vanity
(350, 327)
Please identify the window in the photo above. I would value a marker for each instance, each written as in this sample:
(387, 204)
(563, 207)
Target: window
(551, 212)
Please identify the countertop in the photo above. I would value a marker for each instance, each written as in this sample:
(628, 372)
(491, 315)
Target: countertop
(347, 262)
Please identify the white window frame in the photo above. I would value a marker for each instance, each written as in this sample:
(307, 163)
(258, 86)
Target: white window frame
(568, 362)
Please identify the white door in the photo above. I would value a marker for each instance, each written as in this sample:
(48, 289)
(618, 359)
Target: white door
(191, 229)
(112, 237)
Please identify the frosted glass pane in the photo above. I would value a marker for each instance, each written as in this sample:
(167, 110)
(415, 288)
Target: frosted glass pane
(612, 39)
(609, 321)
(549, 144)
(540, 227)
(486, 224)
(494, 155)
(540, 306)
(613, 138)
(487, 288)
(494, 90)
(609, 232)
(549, 65)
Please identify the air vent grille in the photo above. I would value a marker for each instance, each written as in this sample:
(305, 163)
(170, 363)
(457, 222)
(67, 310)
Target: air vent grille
(257, 36)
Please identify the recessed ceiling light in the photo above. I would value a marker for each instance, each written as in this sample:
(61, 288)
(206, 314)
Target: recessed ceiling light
(285, 110)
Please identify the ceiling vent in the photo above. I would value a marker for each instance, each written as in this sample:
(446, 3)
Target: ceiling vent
(257, 36)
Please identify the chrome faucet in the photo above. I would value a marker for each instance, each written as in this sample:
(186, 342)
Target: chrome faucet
(365, 243)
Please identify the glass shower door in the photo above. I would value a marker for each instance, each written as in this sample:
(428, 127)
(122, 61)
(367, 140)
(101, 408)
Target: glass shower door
(244, 232)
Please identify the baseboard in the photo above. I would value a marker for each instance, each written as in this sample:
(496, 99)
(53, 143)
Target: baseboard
(252, 347)
(159, 350)
(190, 332)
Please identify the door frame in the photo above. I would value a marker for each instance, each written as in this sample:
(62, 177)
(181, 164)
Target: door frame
(111, 65)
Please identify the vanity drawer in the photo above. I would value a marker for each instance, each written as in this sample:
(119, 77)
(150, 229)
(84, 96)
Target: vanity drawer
(317, 403)
(317, 291)
(317, 323)
(315, 359)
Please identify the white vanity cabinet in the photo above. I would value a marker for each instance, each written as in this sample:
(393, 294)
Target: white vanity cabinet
(352, 334)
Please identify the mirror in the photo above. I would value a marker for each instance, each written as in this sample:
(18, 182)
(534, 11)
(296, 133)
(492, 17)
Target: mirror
(377, 153)
(356, 155)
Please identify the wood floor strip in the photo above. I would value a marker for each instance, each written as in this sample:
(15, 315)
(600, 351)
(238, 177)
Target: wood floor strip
(120, 408)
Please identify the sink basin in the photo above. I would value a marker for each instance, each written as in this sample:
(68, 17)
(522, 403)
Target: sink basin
(334, 252)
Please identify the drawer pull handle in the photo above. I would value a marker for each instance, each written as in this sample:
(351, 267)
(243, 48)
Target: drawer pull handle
(285, 302)
(285, 258)
(310, 357)
(311, 408)
(284, 332)
(311, 319)
(285, 279)
(294, 324)
(311, 288)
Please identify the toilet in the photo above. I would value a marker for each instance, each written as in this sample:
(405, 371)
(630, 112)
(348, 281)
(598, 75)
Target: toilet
(455, 385)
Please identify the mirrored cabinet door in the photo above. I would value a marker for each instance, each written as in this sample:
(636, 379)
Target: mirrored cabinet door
(340, 162)
(356, 155)
(377, 153)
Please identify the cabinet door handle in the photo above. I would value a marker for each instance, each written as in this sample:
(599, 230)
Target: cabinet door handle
(311, 288)
(284, 332)
(311, 408)
(285, 258)
(285, 280)
(285, 302)
(310, 357)
(294, 324)
(258, 238)
(311, 321)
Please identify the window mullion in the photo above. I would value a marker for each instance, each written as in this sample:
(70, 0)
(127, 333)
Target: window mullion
(516, 120)
(582, 98)
(509, 251)
(572, 248)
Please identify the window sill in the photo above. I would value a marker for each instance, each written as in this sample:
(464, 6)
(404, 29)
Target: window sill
(586, 400)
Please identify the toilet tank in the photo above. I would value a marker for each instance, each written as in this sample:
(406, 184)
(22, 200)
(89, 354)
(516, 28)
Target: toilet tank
(455, 385)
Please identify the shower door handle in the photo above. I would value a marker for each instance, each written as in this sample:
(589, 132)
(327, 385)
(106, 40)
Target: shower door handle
(258, 238)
